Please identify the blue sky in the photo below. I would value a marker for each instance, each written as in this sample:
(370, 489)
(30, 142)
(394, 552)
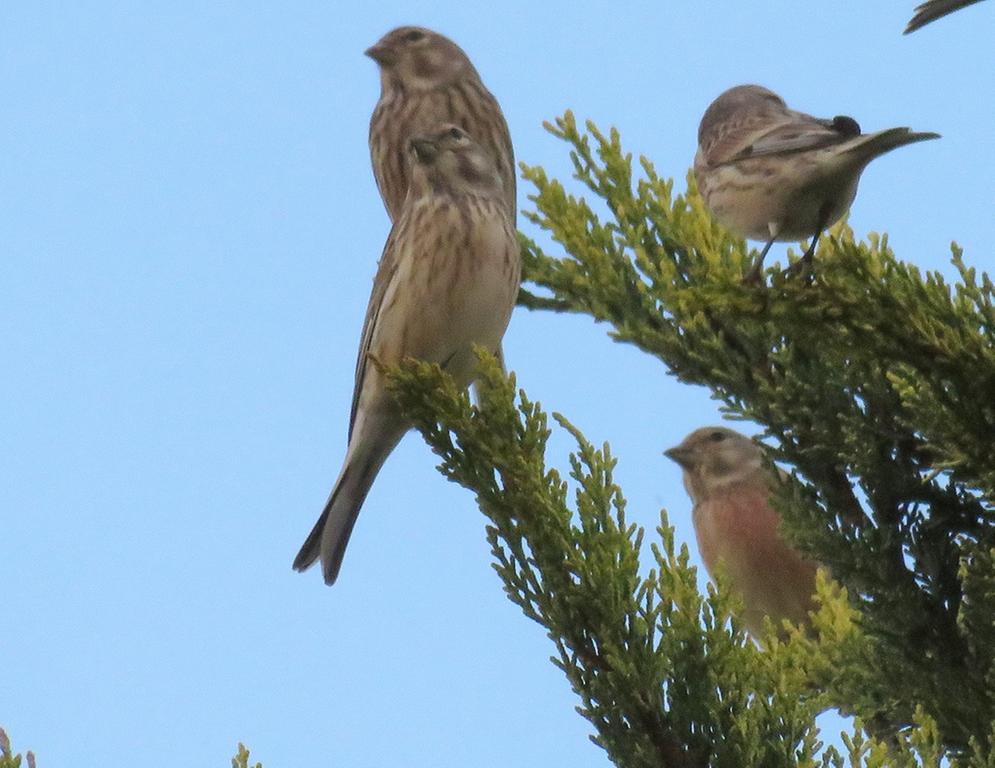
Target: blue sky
(188, 231)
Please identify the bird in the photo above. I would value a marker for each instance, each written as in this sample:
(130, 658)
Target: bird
(770, 173)
(736, 526)
(931, 10)
(447, 281)
(426, 79)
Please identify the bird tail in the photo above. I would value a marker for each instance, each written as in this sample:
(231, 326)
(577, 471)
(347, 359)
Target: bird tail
(931, 10)
(873, 145)
(330, 535)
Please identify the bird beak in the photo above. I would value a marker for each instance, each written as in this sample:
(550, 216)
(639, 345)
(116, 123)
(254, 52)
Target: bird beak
(680, 454)
(425, 149)
(382, 54)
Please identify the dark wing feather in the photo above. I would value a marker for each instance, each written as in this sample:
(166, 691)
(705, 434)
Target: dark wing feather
(765, 138)
(932, 10)
(386, 270)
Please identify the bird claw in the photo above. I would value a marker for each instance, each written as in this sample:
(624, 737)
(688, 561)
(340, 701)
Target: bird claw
(802, 267)
(754, 277)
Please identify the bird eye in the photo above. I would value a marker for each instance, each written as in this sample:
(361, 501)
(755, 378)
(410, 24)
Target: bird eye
(717, 437)
(414, 36)
(456, 133)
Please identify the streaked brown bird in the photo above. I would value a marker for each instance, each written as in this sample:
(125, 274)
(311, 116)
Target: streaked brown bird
(447, 281)
(932, 10)
(735, 525)
(770, 173)
(426, 79)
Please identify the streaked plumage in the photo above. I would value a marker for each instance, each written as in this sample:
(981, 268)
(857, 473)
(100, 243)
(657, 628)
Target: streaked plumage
(770, 173)
(932, 10)
(447, 281)
(426, 79)
(735, 525)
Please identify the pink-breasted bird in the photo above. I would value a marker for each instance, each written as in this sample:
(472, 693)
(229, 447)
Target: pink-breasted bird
(735, 525)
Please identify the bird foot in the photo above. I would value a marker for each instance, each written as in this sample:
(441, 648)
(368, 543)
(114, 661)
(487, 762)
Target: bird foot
(802, 267)
(754, 277)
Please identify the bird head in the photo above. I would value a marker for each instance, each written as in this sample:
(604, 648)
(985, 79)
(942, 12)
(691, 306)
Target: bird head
(713, 457)
(419, 59)
(448, 159)
(736, 102)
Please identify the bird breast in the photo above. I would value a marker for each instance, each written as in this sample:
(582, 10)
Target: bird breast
(783, 195)
(739, 530)
(462, 272)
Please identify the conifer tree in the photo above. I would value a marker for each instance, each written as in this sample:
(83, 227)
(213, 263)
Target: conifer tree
(875, 386)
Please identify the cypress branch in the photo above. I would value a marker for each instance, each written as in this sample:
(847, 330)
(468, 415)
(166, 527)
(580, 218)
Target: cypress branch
(875, 382)
(665, 675)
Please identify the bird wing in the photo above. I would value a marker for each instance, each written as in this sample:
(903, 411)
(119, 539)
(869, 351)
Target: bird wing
(507, 173)
(386, 272)
(932, 10)
(760, 136)
(729, 139)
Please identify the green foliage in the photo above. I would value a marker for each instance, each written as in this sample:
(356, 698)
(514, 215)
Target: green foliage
(9, 760)
(7, 757)
(665, 675)
(241, 759)
(875, 383)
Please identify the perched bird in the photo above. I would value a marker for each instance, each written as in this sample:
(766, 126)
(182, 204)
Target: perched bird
(426, 79)
(447, 281)
(769, 173)
(932, 10)
(735, 525)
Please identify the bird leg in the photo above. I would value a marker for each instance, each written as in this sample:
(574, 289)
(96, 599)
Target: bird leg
(804, 264)
(753, 277)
